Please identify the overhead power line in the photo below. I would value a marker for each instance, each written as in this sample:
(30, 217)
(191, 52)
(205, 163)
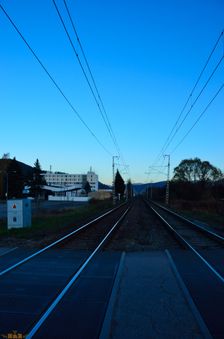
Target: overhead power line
(91, 73)
(167, 142)
(54, 81)
(200, 116)
(192, 106)
(96, 96)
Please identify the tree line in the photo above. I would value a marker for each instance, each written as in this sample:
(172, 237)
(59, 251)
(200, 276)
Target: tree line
(195, 179)
(14, 178)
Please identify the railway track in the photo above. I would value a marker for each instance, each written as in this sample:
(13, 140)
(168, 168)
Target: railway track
(62, 290)
(34, 287)
(192, 236)
(199, 236)
(58, 242)
(199, 268)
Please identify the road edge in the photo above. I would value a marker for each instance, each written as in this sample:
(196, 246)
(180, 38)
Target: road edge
(105, 329)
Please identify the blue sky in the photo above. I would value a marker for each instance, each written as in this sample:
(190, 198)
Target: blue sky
(145, 57)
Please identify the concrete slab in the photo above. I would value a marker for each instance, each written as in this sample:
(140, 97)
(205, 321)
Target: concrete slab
(5, 250)
(206, 289)
(216, 258)
(81, 312)
(150, 303)
(46, 259)
(26, 291)
(13, 256)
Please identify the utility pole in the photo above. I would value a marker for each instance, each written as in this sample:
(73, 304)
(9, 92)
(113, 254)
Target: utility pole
(113, 179)
(7, 186)
(168, 180)
(7, 182)
(151, 191)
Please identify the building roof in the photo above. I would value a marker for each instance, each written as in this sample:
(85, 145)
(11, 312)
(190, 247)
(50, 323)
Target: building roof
(62, 189)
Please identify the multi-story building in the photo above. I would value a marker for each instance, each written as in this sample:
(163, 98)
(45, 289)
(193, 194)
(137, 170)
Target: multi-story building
(61, 179)
(92, 178)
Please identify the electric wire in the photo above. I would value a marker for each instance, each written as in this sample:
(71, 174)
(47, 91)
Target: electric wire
(91, 73)
(197, 81)
(112, 134)
(103, 114)
(189, 97)
(192, 106)
(54, 81)
(199, 117)
(76, 53)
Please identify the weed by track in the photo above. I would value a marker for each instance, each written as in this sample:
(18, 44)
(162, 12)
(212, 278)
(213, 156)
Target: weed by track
(55, 222)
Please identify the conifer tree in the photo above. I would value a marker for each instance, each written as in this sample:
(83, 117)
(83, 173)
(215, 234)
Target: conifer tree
(119, 185)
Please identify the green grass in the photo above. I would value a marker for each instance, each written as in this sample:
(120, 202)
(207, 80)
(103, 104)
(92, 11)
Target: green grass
(209, 213)
(56, 222)
(207, 217)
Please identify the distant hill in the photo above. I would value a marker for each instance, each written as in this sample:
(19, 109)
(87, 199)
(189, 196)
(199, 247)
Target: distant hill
(25, 169)
(140, 188)
(102, 186)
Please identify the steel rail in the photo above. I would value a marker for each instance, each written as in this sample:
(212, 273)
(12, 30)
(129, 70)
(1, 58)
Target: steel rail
(8, 251)
(72, 280)
(189, 246)
(58, 241)
(214, 235)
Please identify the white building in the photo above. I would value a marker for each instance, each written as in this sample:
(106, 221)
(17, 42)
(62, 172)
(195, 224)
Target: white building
(92, 178)
(60, 179)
